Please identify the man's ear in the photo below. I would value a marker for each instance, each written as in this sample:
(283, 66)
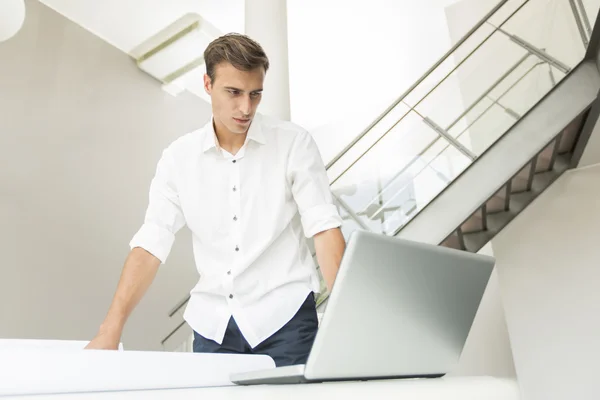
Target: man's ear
(207, 84)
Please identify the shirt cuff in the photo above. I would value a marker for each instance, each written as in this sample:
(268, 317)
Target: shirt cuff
(155, 240)
(319, 219)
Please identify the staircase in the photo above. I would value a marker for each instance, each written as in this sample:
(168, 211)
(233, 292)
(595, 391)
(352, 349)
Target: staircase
(519, 191)
(484, 151)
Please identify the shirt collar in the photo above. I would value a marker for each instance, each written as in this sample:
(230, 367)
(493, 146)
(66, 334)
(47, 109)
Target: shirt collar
(255, 133)
(256, 130)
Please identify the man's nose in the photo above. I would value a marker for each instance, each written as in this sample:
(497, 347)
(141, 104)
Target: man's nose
(246, 106)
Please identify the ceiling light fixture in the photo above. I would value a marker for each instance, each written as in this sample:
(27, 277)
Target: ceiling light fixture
(174, 56)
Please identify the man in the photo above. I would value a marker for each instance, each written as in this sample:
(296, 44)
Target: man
(250, 188)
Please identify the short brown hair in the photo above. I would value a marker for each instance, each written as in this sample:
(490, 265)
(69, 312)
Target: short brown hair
(238, 50)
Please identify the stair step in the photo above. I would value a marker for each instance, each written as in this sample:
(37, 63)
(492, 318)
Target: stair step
(452, 242)
(497, 202)
(519, 201)
(570, 135)
(474, 223)
(474, 234)
(496, 222)
(475, 241)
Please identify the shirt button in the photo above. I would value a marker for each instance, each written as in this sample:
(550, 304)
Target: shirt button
(229, 272)
(234, 188)
(234, 161)
(231, 296)
(237, 248)
(235, 217)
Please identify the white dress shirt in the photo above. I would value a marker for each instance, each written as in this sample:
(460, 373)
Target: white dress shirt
(249, 215)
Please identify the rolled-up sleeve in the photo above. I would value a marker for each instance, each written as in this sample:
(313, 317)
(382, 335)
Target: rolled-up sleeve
(164, 217)
(310, 187)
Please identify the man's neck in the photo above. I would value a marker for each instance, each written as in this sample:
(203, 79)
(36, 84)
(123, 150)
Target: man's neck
(228, 141)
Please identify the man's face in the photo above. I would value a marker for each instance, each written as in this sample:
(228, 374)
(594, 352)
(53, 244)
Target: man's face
(235, 96)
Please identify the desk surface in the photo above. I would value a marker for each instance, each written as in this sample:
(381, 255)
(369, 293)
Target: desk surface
(78, 374)
(448, 388)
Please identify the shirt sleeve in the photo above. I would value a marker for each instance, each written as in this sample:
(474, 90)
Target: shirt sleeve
(310, 187)
(164, 217)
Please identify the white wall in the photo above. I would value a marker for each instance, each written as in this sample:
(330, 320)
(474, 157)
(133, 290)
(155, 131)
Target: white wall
(81, 131)
(266, 22)
(549, 273)
(487, 351)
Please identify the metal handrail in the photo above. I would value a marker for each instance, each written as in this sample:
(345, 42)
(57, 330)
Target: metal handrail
(397, 230)
(497, 101)
(419, 81)
(489, 90)
(585, 18)
(533, 50)
(579, 23)
(486, 94)
(412, 108)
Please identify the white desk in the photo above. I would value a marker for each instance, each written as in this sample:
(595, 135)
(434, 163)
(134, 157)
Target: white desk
(30, 367)
(31, 371)
(456, 388)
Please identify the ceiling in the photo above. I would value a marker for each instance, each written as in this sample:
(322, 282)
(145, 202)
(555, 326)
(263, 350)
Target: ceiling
(127, 23)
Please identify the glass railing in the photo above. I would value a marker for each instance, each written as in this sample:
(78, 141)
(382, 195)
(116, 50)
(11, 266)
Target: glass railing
(457, 110)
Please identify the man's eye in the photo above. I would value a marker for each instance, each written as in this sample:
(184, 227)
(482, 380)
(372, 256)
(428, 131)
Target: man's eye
(255, 95)
(234, 92)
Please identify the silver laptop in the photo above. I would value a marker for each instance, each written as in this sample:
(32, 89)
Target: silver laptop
(398, 309)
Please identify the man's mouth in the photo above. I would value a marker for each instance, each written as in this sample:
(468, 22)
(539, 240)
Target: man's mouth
(242, 120)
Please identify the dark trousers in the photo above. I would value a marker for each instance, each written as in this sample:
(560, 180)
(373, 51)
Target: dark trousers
(288, 346)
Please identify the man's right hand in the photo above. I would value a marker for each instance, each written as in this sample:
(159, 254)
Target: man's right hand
(138, 273)
(104, 341)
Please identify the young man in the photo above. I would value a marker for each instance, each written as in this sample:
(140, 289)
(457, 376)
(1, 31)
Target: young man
(250, 188)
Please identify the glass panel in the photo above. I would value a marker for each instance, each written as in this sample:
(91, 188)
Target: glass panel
(381, 166)
(591, 9)
(470, 45)
(412, 98)
(392, 205)
(497, 112)
(529, 90)
(478, 74)
(419, 92)
(398, 195)
(481, 127)
(549, 25)
(503, 70)
(482, 131)
(469, 116)
(506, 11)
(404, 177)
(521, 69)
(442, 170)
(363, 145)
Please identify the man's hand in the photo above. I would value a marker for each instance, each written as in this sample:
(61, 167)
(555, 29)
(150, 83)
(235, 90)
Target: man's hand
(138, 273)
(104, 340)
